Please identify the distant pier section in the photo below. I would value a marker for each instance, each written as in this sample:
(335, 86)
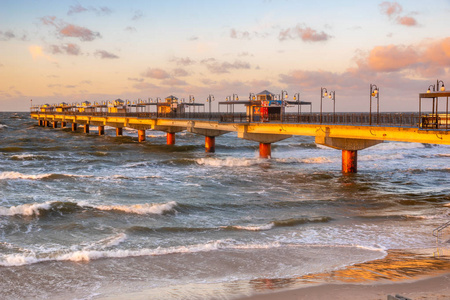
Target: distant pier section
(265, 121)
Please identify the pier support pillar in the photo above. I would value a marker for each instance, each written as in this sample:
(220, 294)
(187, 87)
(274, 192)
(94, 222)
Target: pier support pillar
(55, 124)
(47, 123)
(171, 138)
(119, 131)
(210, 144)
(86, 128)
(141, 135)
(74, 126)
(349, 161)
(265, 150)
(41, 123)
(63, 124)
(349, 149)
(101, 130)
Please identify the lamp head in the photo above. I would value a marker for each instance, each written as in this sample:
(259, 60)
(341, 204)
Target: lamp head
(442, 87)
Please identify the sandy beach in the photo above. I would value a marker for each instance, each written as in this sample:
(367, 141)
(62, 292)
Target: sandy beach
(414, 275)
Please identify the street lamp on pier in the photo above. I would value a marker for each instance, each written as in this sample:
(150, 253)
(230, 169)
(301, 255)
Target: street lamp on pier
(323, 93)
(332, 96)
(252, 97)
(210, 99)
(442, 89)
(374, 92)
(191, 100)
(299, 109)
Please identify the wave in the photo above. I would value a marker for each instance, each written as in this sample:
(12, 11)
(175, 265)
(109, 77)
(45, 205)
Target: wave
(17, 175)
(380, 157)
(397, 145)
(3, 126)
(141, 209)
(227, 162)
(280, 223)
(30, 157)
(43, 209)
(11, 149)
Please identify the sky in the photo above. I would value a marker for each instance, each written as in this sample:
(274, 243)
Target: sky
(71, 51)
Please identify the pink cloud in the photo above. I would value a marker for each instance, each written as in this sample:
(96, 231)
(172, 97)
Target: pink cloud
(70, 49)
(390, 8)
(83, 33)
(407, 21)
(307, 34)
(70, 30)
(391, 58)
(156, 73)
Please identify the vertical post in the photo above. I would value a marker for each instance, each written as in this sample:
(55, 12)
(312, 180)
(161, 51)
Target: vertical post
(86, 128)
(170, 138)
(40, 122)
(74, 126)
(264, 150)
(63, 124)
(55, 124)
(210, 144)
(349, 161)
(101, 130)
(141, 135)
(119, 131)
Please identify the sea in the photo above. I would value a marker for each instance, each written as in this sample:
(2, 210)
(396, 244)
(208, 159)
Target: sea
(84, 216)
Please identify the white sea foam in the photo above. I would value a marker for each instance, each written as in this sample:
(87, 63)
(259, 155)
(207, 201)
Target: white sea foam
(3, 126)
(17, 175)
(227, 162)
(373, 157)
(25, 209)
(146, 208)
(253, 227)
(316, 160)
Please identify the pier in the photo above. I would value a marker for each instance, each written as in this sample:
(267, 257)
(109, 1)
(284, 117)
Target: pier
(265, 121)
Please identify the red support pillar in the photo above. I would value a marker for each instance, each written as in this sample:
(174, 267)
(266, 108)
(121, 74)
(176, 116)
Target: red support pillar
(55, 124)
(41, 123)
(47, 123)
(74, 126)
(170, 138)
(210, 144)
(86, 128)
(119, 131)
(63, 124)
(101, 130)
(349, 161)
(264, 150)
(141, 135)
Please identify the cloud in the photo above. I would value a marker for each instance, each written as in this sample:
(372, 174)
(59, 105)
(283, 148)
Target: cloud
(83, 33)
(173, 82)
(70, 49)
(37, 52)
(7, 35)
(407, 21)
(224, 67)
(137, 15)
(179, 72)
(245, 35)
(428, 58)
(78, 8)
(69, 30)
(156, 73)
(182, 61)
(390, 9)
(130, 29)
(136, 79)
(306, 34)
(393, 10)
(105, 54)
(193, 38)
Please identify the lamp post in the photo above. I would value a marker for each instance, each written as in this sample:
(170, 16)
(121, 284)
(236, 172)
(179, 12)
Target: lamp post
(299, 109)
(284, 95)
(323, 93)
(442, 89)
(210, 99)
(332, 96)
(191, 100)
(374, 92)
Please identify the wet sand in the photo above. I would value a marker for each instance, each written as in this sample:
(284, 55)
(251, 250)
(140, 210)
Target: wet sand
(415, 275)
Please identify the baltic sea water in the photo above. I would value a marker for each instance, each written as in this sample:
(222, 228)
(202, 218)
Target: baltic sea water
(87, 216)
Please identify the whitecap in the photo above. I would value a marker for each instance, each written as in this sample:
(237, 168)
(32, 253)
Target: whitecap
(146, 208)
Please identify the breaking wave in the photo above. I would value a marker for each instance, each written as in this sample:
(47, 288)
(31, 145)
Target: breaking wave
(141, 209)
(227, 162)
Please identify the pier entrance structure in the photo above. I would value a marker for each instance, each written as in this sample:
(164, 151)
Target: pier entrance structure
(348, 132)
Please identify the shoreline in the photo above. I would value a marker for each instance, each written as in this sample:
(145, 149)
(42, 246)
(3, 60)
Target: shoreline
(413, 274)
